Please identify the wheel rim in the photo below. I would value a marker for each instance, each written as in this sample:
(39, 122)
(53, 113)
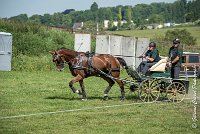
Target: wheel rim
(149, 90)
(176, 92)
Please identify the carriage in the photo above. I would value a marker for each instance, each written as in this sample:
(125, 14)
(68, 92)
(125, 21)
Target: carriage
(157, 84)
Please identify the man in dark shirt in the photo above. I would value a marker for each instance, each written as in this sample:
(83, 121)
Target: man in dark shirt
(152, 56)
(175, 58)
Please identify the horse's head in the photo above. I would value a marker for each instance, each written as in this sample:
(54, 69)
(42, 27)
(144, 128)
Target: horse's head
(58, 59)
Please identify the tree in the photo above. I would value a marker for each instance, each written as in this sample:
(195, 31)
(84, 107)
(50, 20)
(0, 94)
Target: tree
(105, 14)
(156, 18)
(128, 14)
(67, 11)
(21, 17)
(183, 35)
(67, 21)
(35, 19)
(119, 16)
(46, 19)
(57, 19)
(94, 7)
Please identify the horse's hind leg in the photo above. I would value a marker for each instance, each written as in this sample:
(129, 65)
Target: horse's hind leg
(121, 85)
(111, 83)
(82, 89)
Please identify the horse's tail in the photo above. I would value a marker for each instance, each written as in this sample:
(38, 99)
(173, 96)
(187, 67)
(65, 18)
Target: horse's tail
(122, 62)
(130, 71)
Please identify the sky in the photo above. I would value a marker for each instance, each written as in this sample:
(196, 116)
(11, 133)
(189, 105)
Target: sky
(10, 8)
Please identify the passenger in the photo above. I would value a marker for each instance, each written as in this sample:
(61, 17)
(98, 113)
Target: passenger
(175, 59)
(152, 56)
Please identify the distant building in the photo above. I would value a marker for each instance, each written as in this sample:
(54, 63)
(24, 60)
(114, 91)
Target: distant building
(149, 27)
(77, 26)
(106, 23)
(115, 23)
(159, 26)
(154, 26)
(167, 24)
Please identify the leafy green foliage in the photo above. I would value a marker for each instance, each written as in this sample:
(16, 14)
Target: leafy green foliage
(183, 35)
(31, 43)
(180, 11)
(33, 39)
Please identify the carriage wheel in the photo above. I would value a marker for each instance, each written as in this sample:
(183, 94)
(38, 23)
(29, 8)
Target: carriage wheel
(176, 92)
(163, 93)
(149, 90)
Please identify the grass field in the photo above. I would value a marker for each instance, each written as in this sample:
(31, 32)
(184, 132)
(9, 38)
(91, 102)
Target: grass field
(25, 93)
(156, 33)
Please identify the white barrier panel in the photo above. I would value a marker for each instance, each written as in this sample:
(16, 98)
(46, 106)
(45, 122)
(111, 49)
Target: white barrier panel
(102, 44)
(116, 45)
(5, 51)
(82, 42)
(127, 47)
(128, 50)
(141, 48)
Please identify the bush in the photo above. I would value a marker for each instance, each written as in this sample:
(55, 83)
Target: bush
(32, 63)
(183, 35)
(31, 44)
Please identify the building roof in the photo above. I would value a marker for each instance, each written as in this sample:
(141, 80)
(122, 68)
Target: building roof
(78, 25)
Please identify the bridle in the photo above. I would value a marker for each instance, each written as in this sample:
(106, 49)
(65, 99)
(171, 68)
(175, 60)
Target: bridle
(60, 60)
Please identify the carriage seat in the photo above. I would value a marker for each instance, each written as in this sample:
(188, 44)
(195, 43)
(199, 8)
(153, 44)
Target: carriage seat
(160, 65)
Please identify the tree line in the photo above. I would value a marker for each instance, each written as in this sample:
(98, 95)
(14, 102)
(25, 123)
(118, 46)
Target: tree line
(180, 11)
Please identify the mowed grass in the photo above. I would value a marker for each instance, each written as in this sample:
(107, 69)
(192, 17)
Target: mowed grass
(157, 33)
(25, 93)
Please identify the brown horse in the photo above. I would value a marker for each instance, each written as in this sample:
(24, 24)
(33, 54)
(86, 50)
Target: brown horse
(83, 65)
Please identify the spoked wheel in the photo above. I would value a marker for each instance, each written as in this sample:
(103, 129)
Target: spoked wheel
(176, 92)
(132, 86)
(163, 93)
(149, 90)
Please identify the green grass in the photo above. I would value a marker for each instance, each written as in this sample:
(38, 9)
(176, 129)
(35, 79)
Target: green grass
(23, 93)
(156, 33)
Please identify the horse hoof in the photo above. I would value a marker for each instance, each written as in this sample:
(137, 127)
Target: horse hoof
(79, 92)
(105, 98)
(84, 99)
(122, 99)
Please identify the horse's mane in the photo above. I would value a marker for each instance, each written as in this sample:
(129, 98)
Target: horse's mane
(64, 48)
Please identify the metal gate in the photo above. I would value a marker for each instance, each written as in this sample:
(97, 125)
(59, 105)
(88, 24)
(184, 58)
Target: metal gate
(5, 51)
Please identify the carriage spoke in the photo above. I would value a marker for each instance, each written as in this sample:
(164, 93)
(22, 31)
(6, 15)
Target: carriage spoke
(176, 92)
(151, 90)
(151, 97)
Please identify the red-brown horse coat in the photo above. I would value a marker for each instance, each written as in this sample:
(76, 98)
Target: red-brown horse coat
(104, 62)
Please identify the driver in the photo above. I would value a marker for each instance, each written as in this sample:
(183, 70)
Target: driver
(175, 58)
(152, 57)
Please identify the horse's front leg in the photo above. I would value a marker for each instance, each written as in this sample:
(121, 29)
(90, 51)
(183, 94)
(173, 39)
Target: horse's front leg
(74, 80)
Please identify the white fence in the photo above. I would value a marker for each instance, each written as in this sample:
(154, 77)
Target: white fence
(129, 48)
(5, 51)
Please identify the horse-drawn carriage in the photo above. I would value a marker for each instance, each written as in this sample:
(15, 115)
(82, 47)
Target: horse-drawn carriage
(157, 84)
(149, 88)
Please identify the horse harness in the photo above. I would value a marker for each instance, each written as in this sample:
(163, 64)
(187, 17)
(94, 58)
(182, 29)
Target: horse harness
(78, 64)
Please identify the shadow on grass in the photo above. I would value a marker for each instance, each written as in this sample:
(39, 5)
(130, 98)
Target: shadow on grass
(128, 97)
